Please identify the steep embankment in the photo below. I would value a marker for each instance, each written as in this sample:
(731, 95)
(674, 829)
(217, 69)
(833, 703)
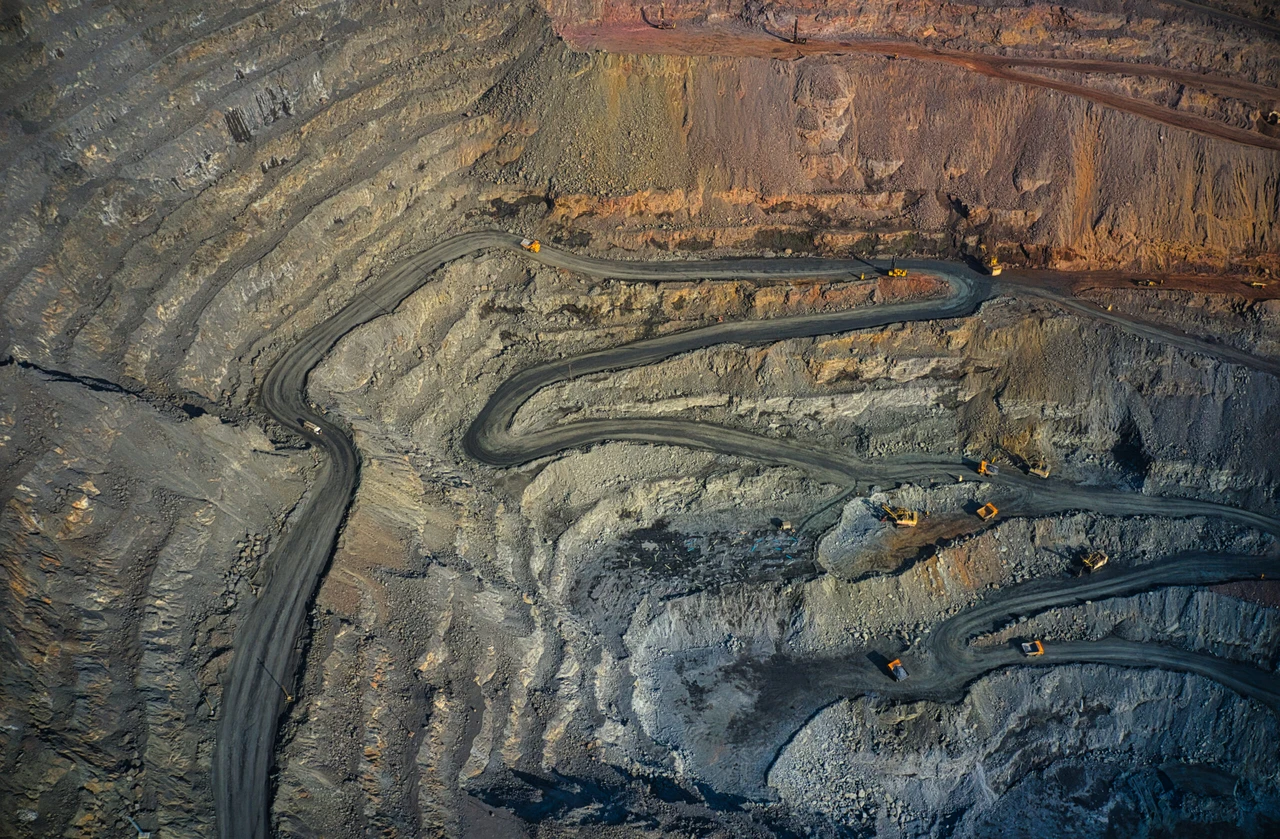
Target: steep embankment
(942, 137)
(186, 189)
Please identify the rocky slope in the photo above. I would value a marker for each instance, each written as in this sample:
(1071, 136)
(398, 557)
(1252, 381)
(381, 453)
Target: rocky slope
(616, 610)
(183, 191)
(859, 151)
(580, 646)
(1071, 753)
(131, 540)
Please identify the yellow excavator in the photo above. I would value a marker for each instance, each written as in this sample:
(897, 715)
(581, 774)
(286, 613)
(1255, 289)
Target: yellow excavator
(993, 266)
(901, 516)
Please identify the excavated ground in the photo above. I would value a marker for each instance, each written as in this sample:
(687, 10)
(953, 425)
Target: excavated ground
(623, 641)
(652, 600)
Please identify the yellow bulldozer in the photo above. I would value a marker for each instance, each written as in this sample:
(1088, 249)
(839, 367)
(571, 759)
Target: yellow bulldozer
(1094, 560)
(901, 516)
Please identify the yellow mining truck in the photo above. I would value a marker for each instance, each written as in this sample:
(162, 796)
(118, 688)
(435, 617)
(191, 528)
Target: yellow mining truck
(531, 245)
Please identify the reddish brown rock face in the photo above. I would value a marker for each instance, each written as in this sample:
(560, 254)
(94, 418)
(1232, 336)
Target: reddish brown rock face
(998, 124)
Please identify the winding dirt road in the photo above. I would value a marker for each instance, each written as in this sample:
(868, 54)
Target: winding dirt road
(266, 646)
(950, 662)
(946, 661)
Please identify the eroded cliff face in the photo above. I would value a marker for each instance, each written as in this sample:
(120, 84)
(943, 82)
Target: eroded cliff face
(870, 153)
(1139, 756)
(919, 151)
(590, 644)
(180, 186)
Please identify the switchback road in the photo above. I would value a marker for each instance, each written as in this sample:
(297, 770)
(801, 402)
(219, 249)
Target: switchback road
(266, 646)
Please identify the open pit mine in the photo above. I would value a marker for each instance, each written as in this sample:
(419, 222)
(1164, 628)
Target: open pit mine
(549, 418)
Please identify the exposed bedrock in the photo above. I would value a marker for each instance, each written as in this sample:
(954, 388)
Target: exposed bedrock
(870, 154)
(627, 639)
